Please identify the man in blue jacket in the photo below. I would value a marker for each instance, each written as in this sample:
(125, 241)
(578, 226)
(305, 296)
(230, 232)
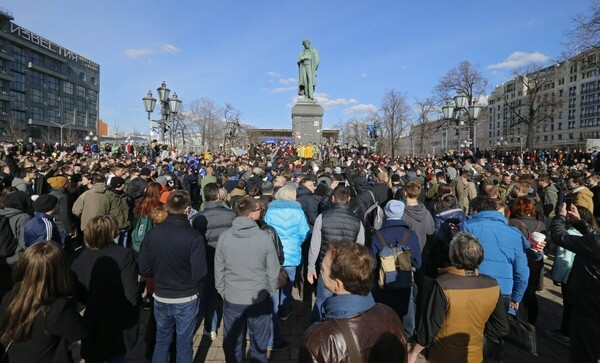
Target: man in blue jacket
(504, 249)
(42, 226)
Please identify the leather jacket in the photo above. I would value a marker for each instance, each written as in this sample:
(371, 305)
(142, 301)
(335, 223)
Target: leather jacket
(378, 333)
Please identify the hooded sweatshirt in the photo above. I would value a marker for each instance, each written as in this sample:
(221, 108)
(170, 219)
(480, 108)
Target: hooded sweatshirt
(420, 221)
(246, 263)
(582, 197)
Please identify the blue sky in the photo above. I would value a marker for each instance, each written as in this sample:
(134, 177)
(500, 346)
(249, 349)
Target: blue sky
(245, 52)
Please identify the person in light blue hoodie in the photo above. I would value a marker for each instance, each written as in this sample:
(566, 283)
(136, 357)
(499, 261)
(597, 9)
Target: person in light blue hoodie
(287, 217)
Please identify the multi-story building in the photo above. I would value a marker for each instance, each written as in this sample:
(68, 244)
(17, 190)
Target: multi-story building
(44, 86)
(567, 104)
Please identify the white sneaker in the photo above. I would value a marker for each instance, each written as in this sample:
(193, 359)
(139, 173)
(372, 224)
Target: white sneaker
(211, 335)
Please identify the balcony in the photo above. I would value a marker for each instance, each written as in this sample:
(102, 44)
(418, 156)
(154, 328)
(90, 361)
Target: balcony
(4, 54)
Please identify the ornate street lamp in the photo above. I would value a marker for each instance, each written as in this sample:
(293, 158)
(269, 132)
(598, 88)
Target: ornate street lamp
(168, 106)
(455, 112)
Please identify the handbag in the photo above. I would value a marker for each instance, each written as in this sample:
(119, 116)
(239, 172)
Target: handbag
(283, 278)
(521, 334)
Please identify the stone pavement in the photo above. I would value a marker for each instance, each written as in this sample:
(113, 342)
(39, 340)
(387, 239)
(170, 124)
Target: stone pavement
(293, 328)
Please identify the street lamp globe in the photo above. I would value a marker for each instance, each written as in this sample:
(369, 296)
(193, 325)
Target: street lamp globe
(461, 100)
(163, 92)
(149, 102)
(474, 111)
(448, 110)
(174, 104)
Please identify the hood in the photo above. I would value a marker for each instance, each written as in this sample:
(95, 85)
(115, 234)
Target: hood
(302, 190)
(451, 215)
(10, 212)
(581, 190)
(491, 215)
(551, 187)
(361, 183)
(417, 212)
(99, 188)
(244, 227)
(118, 193)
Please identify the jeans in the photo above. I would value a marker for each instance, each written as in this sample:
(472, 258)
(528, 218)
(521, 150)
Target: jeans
(121, 238)
(209, 302)
(285, 302)
(258, 318)
(409, 320)
(274, 338)
(322, 294)
(179, 317)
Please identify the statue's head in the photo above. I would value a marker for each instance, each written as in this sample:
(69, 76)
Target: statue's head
(306, 43)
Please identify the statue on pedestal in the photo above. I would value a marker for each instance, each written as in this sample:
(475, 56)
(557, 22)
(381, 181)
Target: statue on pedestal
(308, 63)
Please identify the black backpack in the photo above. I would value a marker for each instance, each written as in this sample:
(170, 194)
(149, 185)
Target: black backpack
(8, 241)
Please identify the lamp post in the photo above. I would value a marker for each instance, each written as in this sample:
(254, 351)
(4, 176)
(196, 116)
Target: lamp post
(168, 106)
(91, 137)
(30, 122)
(462, 108)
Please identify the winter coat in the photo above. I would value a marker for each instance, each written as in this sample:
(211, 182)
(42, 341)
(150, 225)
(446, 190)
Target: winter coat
(62, 214)
(444, 222)
(584, 281)
(504, 252)
(288, 219)
(135, 189)
(92, 203)
(41, 228)
(309, 202)
(119, 207)
(17, 219)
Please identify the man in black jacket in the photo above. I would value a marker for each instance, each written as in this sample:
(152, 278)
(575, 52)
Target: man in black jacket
(174, 254)
(211, 222)
(308, 199)
(136, 187)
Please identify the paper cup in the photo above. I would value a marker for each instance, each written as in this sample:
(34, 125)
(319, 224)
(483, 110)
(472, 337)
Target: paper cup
(538, 241)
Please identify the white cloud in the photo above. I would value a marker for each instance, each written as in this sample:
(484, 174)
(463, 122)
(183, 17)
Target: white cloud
(361, 108)
(165, 48)
(518, 59)
(282, 89)
(273, 74)
(326, 102)
(287, 80)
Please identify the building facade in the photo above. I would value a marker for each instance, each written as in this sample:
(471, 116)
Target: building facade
(44, 86)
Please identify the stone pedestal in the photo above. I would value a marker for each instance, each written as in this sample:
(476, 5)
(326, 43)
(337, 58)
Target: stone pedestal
(307, 121)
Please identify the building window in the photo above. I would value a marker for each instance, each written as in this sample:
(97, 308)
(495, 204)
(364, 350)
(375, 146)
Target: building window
(94, 81)
(53, 100)
(54, 66)
(36, 113)
(68, 87)
(571, 137)
(52, 115)
(53, 84)
(37, 95)
(19, 83)
(68, 104)
(37, 78)
(560, 136)
(92, 96)
(80, 91)
(82, 76)
(18, 101)
(37, 59)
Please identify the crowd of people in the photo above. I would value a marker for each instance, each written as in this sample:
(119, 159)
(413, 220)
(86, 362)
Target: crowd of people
(402, 257)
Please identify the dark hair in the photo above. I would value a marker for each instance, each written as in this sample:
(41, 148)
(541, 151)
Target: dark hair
(413, 189)
(466, 251)
(446, 202)
(481, 204)
(245, 206)
(445, 189)
(342, 195)
(211, 192)
(98, 178)
(352, 264)
(522, 207)
(178, 201)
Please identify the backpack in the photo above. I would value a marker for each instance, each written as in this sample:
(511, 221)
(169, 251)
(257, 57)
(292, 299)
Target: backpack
(530, 233)
(142, 226)
(374, 216)
(8, 241)
(395, 263)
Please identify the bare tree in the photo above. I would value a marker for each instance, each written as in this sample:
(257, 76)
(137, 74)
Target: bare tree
(205, 114)
(539, 103)
(586, 31)
(425, 110)
(355, 131)
(69, 135)
(12, 129)
(393, 116)
(467, 79)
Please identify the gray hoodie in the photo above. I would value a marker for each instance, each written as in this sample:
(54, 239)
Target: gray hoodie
(246, 263)
(420, 221)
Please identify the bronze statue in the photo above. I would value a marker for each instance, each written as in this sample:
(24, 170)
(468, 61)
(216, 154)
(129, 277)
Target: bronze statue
(308, 63)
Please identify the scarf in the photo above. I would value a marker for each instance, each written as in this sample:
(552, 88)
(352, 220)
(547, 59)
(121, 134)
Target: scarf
(347, 305)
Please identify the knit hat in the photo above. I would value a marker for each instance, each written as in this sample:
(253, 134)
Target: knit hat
(162, 180)
(395, 178)
(116, 182)
(394, 209)
(57, 182)
(337, 170)
(267, 187)
(145, 172)
(45, 203)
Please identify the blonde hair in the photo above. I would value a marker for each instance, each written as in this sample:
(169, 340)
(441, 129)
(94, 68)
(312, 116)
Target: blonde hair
(287, 192)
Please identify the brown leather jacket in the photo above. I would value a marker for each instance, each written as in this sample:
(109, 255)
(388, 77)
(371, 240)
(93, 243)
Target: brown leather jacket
(378, 333)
